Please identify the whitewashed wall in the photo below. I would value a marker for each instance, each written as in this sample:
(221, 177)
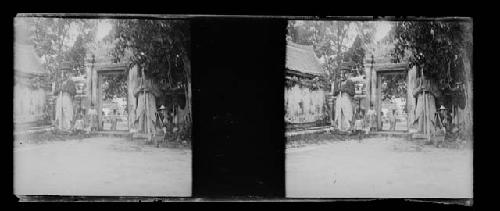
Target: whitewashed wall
(313, 105)
(64, 111)
(28, 103)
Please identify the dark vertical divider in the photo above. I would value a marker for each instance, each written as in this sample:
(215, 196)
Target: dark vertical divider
(238, 107)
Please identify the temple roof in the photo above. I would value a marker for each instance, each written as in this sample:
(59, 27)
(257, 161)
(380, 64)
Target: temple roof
(303, 59)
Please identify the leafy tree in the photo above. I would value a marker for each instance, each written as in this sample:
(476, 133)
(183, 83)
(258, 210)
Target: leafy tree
(62, 44)
(443, 50)
(435, 46)
(115, 85)
(394, 85)
(52, 42)
(158, 47)
(75, 56)
(355, 55)
(330, 40)
(384, 48)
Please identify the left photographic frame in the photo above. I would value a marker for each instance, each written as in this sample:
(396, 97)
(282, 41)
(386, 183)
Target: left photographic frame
(102, 106)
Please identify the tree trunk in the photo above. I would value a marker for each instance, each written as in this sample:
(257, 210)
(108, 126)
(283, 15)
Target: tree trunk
(132, 101)
(466, 114)
(410, 101)
(187, 72)
(339, 48)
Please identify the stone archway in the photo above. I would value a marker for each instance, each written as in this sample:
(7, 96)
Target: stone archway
(374, 74)
(96, 79)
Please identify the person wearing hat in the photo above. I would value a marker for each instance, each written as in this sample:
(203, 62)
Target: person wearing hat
(162, 116)
(162, 108)
(162, 113)
(443, 116)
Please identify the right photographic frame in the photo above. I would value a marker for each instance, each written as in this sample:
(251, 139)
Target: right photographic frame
(379, 108)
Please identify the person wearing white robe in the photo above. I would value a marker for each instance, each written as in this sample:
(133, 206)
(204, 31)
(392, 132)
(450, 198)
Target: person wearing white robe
(420, 108)
(371, 119)
(343, 106)
(146, 99)
(344, 113)
(64, 111)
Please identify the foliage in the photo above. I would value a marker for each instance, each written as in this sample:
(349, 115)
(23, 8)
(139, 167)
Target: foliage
(348, 87)
(157, 46)
(67, 86)
(313, 84)
(394, 85)
(76, 56)
(115, 86)
(436, 47)
(327, 38)
(441, 49)
(62, 44)
(330, 41)
(160, 48)
(52, 39)
(39, 82)
(383, 49)
(356, 56)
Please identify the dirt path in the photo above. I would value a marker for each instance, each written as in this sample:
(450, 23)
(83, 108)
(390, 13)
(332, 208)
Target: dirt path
(378, 167)
(100, 167)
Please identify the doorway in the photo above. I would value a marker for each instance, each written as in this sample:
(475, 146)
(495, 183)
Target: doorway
(112, 98)
(391, 104)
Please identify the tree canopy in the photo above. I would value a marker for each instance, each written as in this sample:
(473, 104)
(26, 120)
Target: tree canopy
(356, 55)
(115, 85)
(442, 50)
(62, 42)
(159, 48)
(331, 40)
(435, 46)
(394, 85)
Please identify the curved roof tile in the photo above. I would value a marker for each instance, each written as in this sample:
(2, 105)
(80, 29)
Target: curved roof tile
(303, 59)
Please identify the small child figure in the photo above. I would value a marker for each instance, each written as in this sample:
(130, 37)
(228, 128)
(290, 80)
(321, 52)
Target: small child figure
(79, 124)
(87, 122)
(382, 120)
(359, 125)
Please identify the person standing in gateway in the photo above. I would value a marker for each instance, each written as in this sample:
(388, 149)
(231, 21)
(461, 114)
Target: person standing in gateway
(114, 120)
(93, 118)
(343, 109)
(371, 118)
(392, 120)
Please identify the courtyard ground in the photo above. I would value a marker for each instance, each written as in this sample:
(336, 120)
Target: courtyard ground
(378, 168)
(100, 166)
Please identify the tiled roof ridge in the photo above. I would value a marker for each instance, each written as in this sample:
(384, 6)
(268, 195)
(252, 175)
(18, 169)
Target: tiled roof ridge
(302, 47)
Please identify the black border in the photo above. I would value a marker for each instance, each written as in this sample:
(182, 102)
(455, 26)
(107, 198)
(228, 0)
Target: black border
(230, 63)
